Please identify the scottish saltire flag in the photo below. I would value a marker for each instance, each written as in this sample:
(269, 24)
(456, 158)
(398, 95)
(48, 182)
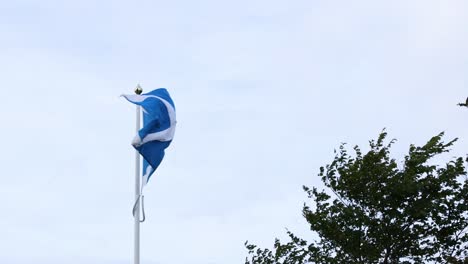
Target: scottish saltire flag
(159, 122)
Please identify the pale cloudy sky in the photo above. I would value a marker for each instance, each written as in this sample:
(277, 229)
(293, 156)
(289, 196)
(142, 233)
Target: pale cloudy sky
(265, 90)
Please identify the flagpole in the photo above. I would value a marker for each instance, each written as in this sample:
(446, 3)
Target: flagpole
(136, 216)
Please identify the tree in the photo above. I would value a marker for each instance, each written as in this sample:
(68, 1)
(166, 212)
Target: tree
(465, 104)
(376, 211)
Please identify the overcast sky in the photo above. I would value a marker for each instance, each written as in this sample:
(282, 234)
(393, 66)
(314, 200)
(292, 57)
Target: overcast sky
(264, 91)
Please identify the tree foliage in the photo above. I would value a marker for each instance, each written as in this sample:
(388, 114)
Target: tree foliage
(377, 211)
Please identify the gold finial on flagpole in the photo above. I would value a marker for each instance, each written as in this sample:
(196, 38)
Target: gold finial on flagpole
(138, 89)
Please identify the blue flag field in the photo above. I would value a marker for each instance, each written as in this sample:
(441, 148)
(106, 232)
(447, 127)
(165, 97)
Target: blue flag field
(159, 123)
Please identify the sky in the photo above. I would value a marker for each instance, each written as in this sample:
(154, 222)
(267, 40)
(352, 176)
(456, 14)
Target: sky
(264, 91)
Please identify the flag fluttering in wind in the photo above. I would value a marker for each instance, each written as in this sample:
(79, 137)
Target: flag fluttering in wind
(159, 122)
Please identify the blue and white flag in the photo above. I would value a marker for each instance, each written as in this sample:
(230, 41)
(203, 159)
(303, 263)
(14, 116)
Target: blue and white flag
(159, 122)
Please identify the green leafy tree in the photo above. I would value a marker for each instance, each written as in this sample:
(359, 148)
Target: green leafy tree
(376, 211)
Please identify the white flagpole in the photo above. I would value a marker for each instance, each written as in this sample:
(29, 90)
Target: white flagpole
(136, 216)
